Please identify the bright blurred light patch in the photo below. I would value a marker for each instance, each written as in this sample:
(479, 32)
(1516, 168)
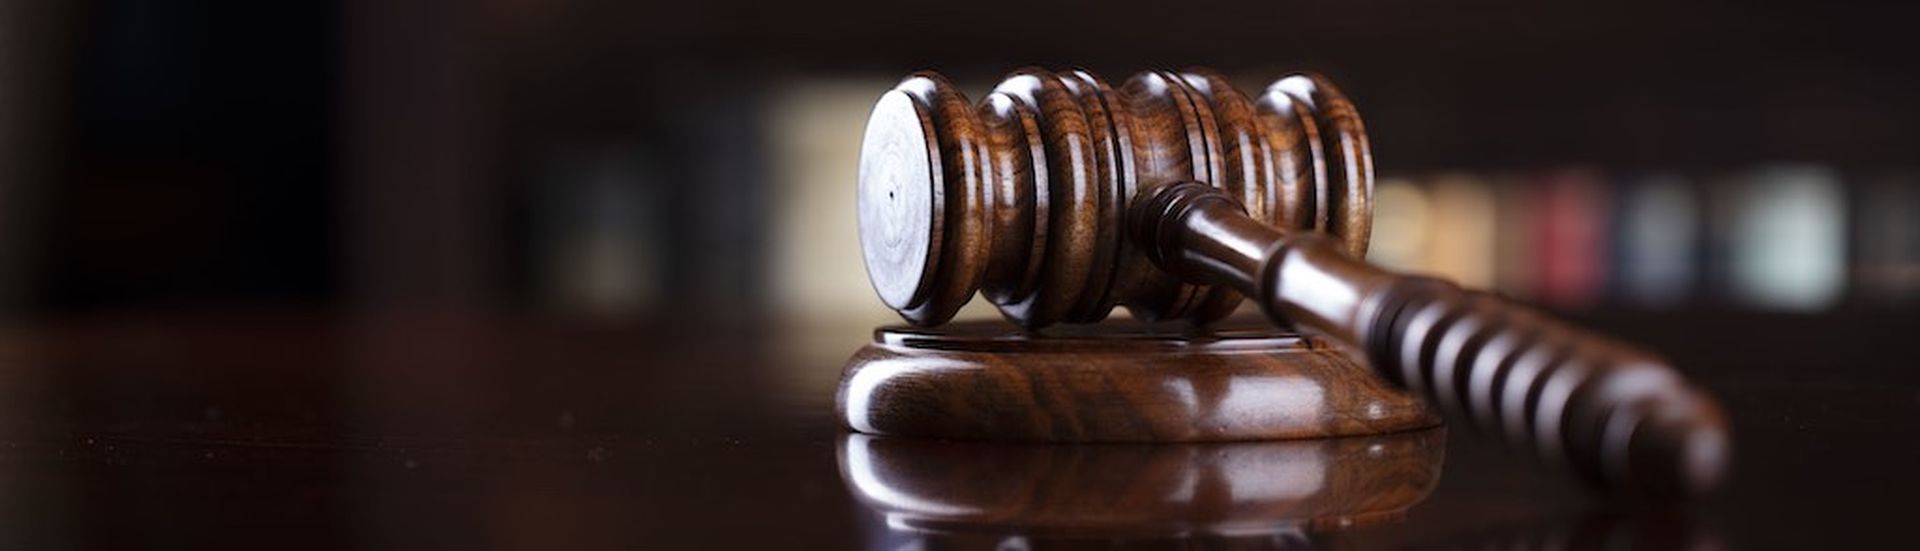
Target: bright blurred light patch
(1443, 227)
(1400, 226)
(1462, 229)
(815, 140)
(1787, 239)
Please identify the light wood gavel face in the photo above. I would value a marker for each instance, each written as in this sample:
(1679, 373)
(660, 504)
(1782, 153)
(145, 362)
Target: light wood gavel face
(1025, 196)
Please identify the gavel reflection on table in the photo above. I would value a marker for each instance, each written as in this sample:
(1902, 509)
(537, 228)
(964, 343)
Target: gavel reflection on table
(1059, 196)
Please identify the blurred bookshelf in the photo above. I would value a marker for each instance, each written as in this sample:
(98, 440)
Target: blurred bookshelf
(1690, 175)
(1691, 171)
(1781, 237)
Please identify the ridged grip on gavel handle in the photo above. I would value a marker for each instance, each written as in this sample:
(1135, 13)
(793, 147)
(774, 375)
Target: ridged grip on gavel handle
(1615, 415)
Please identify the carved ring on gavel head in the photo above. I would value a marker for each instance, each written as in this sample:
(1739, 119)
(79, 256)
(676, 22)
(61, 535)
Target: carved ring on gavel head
(1024, 195)
(1060, 197)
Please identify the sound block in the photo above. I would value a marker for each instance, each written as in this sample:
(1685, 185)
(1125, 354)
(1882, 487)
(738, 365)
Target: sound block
(1116, 383)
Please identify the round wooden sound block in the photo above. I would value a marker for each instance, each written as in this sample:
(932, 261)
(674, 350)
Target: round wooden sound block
(1115, 383)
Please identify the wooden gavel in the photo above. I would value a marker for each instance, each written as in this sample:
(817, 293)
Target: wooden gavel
(1175, 195)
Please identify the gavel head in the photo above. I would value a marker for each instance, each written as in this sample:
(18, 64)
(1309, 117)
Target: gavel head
(1025, 195)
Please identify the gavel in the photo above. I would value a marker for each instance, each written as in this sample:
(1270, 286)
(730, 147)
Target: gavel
(1059, 197)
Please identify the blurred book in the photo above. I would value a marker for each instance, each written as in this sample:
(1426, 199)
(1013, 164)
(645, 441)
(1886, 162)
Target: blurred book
(1463, 229)
(1886, 238)
(1785, 235)
(1444, 227)
(1515, 272)
(1570, 218)
(595, 231)
(1657, 241)
(1400, 226)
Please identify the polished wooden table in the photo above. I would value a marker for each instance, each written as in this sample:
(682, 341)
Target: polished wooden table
(302, 428)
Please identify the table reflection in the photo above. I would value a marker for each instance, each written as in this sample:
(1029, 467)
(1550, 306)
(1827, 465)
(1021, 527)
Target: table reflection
(1610, 527)
(1275, 491)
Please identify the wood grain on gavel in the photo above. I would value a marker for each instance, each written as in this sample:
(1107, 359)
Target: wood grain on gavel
(1059, 197)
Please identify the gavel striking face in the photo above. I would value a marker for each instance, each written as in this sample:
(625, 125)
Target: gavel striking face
(1059, 197)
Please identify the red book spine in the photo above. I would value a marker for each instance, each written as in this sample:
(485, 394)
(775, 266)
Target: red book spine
(1571, 249)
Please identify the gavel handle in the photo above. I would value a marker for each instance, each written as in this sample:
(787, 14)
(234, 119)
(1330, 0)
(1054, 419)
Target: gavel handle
(1616, 415)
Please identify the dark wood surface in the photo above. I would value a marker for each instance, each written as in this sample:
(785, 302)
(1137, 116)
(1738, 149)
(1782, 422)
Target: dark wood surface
(315, 429)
